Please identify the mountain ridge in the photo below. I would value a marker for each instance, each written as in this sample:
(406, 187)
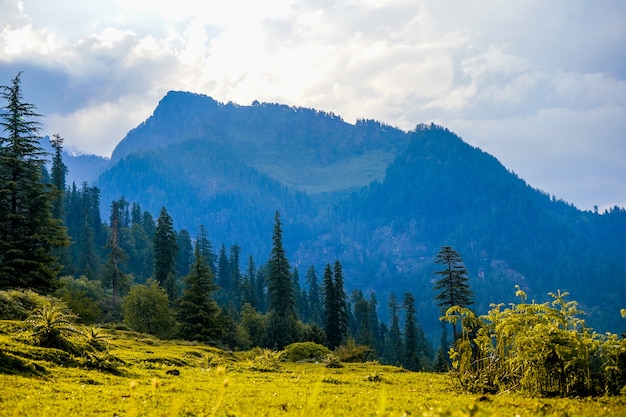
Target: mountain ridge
(379, 199)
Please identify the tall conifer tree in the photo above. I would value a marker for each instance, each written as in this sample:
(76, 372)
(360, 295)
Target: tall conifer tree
(28, 230)
(335, 306)
(452, 286)
(282, 320)
(199, 315)
(165, 251)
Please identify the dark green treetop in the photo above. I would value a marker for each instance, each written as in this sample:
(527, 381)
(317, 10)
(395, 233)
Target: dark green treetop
(28, 230)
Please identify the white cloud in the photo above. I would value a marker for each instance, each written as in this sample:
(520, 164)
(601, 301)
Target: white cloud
(511, 77)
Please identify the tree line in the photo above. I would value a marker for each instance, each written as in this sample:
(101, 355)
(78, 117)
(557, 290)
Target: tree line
(140, 271)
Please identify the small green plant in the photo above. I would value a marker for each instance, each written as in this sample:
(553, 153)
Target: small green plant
(351, 352)
(267, 361)
(332, 361)
(305, 351)
(51, 324)
(97, 339)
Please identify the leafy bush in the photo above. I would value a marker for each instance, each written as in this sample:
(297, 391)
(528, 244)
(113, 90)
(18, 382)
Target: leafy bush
(18, 304)
(267, 361)
(541, 349)
(351, 352)
(331, 361)
(302, 351)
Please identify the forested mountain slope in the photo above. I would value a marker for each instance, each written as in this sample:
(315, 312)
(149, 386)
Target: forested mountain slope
(381, 200)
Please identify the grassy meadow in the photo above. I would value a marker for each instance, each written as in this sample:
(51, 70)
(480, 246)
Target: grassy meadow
(143, 376)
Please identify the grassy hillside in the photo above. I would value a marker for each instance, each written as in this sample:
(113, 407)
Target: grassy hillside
(136, 378)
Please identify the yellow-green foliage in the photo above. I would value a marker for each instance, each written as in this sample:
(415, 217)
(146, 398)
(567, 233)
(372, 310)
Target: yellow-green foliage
(305, 351)
(211, 382)
(541, 349)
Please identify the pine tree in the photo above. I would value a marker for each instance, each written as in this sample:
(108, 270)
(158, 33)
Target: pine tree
(185, 256)
(206, 249)
(235, 276)
(165, 250)
(395, 349)
(198, 313)
(223, 277)
(335, 306)
(282, 320)
(341, 300)
(411, 354)
(112, 276)
(452, 286)
(59, 172)
(29, 233)
(249, 284)
(315, 307)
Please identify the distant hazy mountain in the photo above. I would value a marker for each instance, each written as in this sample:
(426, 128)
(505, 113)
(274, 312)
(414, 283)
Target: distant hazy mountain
(381, 200)
(81, 168)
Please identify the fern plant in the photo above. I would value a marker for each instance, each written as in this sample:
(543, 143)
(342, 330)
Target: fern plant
(51, 324)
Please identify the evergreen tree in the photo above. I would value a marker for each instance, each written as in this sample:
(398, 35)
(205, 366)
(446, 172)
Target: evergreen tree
(452, 286)
(29, 233)
(206, 249)
(185, 256)
(235, 276)
(198, 313)
(223, 277)
(315, 306)
(282, 321)
(59, 173)
(112, 276)
(394, 352)
(165, 251)
(411, 354)
(363, 331)
(249, 284)
(341, 300)
(335, 307)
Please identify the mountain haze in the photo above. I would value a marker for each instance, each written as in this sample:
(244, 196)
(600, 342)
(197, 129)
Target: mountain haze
(380, 199)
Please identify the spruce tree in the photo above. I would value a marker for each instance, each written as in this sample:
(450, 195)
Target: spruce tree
(59, 172)
(198, 313)
(394, 348)
(282, 320)
(411, 354)
(185, 255)
(314, 301)
(112, 276)
(29, 233)
(165, 251)
(452, 286)
(341, 299)
(335, 306)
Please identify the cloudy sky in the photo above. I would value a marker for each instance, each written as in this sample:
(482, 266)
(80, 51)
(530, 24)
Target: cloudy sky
(541, 85)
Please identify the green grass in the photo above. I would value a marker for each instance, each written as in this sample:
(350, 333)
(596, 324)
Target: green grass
(217, 383)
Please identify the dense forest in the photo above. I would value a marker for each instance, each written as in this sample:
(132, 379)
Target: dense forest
(385, 232)
(382, 200)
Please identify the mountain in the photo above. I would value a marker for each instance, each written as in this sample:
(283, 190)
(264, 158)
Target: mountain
(381, 200)
(81, 167)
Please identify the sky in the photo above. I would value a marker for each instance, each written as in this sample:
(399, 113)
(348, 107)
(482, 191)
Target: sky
(541, 85)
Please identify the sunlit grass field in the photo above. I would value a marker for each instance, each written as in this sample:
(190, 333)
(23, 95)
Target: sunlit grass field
(211, 382)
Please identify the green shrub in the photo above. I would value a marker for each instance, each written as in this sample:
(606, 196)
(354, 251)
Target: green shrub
(351, 352)
(305, 351)
(18, 304)
(267, 361)
(543, 349)
(51, 324)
